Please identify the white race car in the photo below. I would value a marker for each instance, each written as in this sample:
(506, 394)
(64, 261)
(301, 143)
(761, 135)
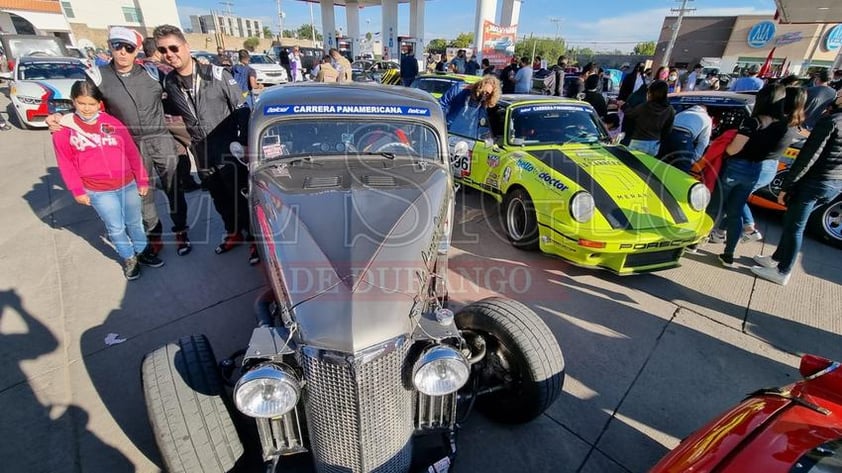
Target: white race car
(40, 85)
(268, 71)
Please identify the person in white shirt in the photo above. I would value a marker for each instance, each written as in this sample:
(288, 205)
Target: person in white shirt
(295, 66)
(693, 78)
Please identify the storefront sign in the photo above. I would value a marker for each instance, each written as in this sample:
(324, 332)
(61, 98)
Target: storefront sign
(833, 40)
(760, 34)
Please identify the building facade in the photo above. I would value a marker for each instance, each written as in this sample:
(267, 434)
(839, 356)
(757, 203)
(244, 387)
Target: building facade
(226, 24)
(736, 42)
(42, 17)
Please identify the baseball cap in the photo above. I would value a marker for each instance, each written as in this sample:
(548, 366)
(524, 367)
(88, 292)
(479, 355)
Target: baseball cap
(125, 35)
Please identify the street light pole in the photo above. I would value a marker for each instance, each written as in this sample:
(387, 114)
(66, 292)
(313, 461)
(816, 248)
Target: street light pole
(557, 22)
(280, 21)
(675, 27)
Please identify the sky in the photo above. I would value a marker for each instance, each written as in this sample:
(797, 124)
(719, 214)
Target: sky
(603, 25)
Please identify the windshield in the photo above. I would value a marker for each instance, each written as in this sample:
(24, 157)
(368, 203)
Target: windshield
(555, 124)
(330, 137)
(260, 60)
(434, 85)
(51, 70)
(34, 46)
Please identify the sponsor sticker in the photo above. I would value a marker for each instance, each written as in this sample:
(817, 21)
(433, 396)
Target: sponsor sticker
(274, 150)
(493, 160)
(339, 109)
(507, 174)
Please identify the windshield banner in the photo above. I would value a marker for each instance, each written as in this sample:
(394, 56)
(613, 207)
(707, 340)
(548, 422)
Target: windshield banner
(498, 43)
(337, 109)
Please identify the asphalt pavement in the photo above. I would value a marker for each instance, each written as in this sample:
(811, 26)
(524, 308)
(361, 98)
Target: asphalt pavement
(649, 358)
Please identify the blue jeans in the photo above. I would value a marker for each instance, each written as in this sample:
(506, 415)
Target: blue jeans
(738, 180)
(120, 211)
(678, 150)
(768, 171)
(649, 147)
(806, 196)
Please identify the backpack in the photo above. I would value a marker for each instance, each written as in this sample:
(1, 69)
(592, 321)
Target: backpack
(241, 75)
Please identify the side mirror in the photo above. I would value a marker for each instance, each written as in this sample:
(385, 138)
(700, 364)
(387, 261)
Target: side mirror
(460, 149)
(489, 142)
(239, 152)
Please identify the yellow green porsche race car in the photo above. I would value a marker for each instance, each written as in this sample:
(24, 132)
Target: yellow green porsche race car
(566, 189)
(438, 84)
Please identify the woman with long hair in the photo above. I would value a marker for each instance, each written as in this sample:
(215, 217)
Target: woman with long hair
(652, 120)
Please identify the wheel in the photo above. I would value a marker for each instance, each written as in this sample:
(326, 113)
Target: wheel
(519, 220)
(191, 423)
(523, 368)
(826, 222)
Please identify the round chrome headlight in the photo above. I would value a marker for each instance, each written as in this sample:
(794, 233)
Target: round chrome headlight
(581, 207)
(440, 370)
(268, 391)
(699, 197)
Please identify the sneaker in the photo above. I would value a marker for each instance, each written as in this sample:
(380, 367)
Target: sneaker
(726, 260)
(692, 249)
(771, 274)
(182, 243)
(229, 242)
(753, 235)
(254, 256)
(156, 244)
(131, 269)
(148, 258)
(717, 236)
(765, 261)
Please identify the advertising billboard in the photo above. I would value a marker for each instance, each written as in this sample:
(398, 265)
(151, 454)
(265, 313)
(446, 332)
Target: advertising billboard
(498, 43)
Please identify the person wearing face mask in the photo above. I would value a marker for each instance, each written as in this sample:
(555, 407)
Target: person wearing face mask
(459, 100)
(672, 81)
(101, 167)
(814, 179)
(134, 95)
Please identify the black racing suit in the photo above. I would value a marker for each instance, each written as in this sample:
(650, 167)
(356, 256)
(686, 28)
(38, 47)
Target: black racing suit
(136, 100)
(209, 102)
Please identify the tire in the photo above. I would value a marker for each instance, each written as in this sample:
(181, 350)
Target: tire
(826, 222)
(516, 335)
(519, 220)
(191, 423)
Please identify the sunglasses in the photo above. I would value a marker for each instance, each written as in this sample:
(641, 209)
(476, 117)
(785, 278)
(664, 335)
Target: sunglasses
(172, 48)
(118, 45)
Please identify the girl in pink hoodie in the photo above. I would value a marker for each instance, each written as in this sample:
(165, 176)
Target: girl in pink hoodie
(102, 168)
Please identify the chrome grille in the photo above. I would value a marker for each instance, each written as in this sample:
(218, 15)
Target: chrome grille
(435, 412)
(359, 412)
(282, 435)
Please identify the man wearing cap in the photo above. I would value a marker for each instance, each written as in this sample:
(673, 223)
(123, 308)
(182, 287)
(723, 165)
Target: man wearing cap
(133, 94)
(749, 83)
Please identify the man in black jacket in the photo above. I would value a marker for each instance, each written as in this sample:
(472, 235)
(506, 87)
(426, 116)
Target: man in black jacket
(209, 100)
(814, 179)
(133, 94)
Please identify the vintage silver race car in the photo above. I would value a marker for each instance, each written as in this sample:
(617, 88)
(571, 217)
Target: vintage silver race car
(356, 357)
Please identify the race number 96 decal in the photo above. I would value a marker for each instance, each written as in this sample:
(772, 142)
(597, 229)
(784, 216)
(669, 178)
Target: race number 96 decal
(460, 156)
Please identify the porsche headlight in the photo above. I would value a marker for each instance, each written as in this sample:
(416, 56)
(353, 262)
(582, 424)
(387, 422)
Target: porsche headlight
(581, 207)
(440, 370)
(268, 391)
(699, 197)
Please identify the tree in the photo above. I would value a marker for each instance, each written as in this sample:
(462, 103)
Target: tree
(548, 48)
(251, 42)
(645, 49)
(290, 34)
(267, 33)
(306, 32)
(437, 45)
(464, 40)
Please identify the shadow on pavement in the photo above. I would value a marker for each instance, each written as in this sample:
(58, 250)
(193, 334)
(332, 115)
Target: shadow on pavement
(39, 437)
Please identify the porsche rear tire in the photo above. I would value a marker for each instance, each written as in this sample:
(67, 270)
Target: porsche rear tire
(192, 425)
(519, 220)
(523, 368)
(826, 222)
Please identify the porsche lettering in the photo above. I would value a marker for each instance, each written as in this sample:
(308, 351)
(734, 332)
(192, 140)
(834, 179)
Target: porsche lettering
(656, 244)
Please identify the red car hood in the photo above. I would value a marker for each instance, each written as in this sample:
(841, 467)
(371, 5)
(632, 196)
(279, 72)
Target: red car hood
(766, 433)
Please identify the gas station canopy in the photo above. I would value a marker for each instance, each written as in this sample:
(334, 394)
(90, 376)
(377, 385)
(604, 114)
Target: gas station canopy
(809, 11)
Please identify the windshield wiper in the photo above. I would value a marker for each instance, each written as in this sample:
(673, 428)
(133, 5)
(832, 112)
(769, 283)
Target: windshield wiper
(384, 154)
